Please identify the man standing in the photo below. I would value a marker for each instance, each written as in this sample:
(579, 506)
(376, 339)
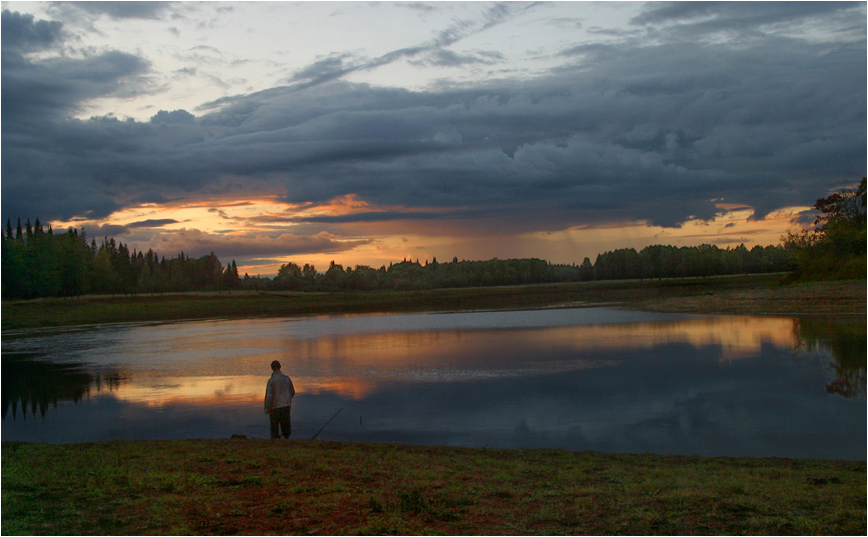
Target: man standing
(278, 398)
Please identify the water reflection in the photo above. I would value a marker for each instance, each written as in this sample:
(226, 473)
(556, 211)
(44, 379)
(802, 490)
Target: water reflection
(37, 384)
(843, 338)
(637, 382)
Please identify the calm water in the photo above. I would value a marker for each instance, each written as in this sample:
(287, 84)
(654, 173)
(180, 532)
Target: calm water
(578, 379)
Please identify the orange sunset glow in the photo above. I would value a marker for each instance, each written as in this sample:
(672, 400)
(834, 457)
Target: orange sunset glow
(269, 225)
(393, 354)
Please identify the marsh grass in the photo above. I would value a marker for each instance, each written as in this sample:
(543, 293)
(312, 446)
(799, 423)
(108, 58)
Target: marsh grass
(277, 487)
(87, 310)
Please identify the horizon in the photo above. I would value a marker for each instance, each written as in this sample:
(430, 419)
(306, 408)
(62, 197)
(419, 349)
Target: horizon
(362, 133)
(424, 263)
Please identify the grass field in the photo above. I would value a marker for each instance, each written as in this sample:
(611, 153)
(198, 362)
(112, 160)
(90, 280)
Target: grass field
(256, 487)
(757, 294)
(263, 487)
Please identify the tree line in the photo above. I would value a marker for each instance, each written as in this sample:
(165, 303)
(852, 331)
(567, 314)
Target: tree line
(408, 275)
(651, 262)
(39, 263)
(661, 261)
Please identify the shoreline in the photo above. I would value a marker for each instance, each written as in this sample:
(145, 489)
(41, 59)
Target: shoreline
(748, 295)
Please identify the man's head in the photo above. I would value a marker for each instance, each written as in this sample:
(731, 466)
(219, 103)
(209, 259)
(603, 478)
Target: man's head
(275, 366)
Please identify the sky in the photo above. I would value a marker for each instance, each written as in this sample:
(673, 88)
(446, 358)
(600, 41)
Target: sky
(366, 133)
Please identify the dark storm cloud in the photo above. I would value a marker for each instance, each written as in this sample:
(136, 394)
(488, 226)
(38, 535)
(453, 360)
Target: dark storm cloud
(48, 165)
(21, 33)
(34, 90)
(152, 223)
(620, 132)
(394, 216)
(177, 117)
(109, 230)
(198, 243)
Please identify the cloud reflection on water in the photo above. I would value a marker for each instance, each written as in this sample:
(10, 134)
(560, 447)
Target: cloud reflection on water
(687, 384)
(354, 365)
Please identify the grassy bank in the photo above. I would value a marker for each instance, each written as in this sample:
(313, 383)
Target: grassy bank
(744, 294)
(261, 487)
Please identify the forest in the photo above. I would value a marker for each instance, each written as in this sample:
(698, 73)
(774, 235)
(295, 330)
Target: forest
(37, 262)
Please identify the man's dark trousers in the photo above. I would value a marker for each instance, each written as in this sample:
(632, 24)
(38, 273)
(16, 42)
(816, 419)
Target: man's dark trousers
(280, 418)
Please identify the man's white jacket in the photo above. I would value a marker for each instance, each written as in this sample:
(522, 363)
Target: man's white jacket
(279, 392)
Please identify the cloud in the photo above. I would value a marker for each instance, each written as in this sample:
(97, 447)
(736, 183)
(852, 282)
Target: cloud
(570, 23)
(152, 223)
(114, 10)
(388, 216)
(324, 70)
(109, 231)
(337, 66)
(448, 58)
(622, 132)
(703, 20)
(731, 14)
(21, 34)
(38, 89)
(196, 243)
(176, 117)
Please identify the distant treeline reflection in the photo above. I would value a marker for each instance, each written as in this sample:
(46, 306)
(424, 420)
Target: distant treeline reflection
(33, 385)
(39, 263)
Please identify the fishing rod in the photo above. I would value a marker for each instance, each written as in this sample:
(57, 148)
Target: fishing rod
(326, 423)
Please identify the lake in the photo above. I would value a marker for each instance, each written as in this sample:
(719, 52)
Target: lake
(597, 379)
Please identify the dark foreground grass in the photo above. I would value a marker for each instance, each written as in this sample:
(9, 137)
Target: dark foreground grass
(755, 294)
(240, 486)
